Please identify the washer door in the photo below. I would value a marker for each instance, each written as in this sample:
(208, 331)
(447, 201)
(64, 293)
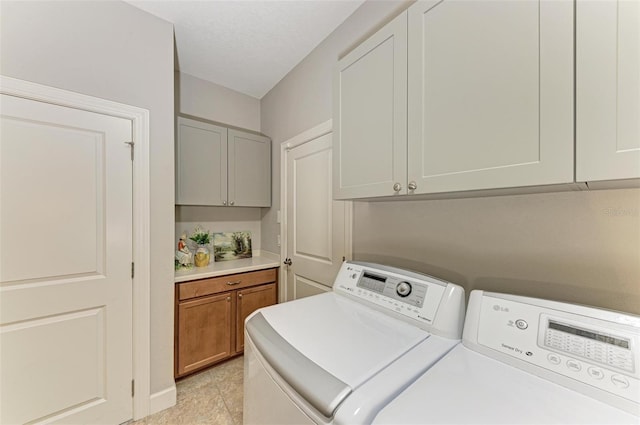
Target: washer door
(327, 346)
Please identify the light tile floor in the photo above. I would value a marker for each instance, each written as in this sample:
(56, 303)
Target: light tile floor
(213, 396)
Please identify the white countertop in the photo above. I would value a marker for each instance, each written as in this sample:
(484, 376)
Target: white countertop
(264, 260)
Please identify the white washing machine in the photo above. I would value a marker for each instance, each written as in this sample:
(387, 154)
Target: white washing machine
(340, 357)
(530, 361)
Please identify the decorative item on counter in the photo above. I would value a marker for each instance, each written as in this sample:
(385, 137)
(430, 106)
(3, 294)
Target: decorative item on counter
(184, 257)
(232, 246)
(202, 238)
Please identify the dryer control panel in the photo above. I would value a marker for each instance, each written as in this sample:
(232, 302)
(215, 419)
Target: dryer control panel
(596, 347)
(411, 295)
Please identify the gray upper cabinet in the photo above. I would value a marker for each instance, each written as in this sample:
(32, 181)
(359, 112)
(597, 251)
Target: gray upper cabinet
(607, 91)
(249, 169)
(216, 166)
(490, 94)
(370, 104)
(201, 163)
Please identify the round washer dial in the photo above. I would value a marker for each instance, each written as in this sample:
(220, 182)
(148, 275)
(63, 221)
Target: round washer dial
(403, 289)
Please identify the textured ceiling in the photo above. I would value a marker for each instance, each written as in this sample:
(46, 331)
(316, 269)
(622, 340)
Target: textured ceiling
(247, 46)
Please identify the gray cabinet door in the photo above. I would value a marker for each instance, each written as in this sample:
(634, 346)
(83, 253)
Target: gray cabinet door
(249, 169)
(607, 90)
(201, 163)
(490, 98)
(370, 123)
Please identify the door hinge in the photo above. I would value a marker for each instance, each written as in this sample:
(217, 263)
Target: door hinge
(344, 258)
(133, 388)
(132, 146)
(133, 269)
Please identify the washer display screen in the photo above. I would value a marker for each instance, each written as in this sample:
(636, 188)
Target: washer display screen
(372, 282)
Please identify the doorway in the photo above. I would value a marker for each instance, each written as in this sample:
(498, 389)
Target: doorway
(73, 319)
(316, 230)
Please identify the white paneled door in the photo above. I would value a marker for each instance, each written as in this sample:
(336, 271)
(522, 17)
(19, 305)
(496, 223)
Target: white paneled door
(316, 224)
(65, 268)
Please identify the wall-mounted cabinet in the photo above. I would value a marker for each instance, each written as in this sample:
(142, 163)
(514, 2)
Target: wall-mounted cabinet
(607, 90)
(217, 166)
(370, 115)
(489, 95)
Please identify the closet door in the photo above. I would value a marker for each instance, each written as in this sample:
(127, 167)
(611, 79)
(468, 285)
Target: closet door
(607, 90)
(370, 121)
(490, 94)
(201, 163)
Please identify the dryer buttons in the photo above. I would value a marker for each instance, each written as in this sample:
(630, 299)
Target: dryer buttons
(620, 381)
(574, 365)
(554, 358)
(596, 372)
(522, 324)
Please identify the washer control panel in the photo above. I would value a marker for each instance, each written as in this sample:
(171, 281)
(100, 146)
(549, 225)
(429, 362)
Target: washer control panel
(409, 294)
(596, 347)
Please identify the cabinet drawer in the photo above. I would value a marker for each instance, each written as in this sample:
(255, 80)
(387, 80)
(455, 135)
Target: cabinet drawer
(215, 285)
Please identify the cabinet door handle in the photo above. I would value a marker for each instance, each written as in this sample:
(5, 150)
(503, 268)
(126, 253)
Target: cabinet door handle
(234, 283)
(224, 202)
(231, 203)
(228, 298)
(239, 295)
(397, 187)
(412, 185)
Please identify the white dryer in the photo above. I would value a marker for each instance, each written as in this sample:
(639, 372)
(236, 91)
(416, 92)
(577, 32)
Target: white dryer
(530, 361)
(340, 357)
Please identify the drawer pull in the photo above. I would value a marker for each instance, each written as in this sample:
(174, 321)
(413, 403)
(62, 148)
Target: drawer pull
(234, 283)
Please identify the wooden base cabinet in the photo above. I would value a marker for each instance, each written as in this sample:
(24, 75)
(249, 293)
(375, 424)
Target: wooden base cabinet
(204, 330)
(248, 301)
(210, 315)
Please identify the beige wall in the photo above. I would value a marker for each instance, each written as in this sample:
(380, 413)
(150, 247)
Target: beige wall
(581, 247)
(117, 52)
(302, 99)
(219, 219)
(204, 99)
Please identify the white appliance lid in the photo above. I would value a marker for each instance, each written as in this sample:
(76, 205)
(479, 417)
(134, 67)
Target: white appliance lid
(466, 387)
(350, 341)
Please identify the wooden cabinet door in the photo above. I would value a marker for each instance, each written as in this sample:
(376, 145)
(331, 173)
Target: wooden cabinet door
(204, 332)
(201, 163)
(249, 300)
(370, 122)
(490, 98)
(607, 90)
(249, 169)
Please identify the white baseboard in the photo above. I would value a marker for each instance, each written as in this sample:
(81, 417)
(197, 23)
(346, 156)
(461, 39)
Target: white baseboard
(162, 400)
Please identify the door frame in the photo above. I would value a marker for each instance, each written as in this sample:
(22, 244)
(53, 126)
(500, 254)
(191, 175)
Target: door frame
(302, 138)
(139, 117)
